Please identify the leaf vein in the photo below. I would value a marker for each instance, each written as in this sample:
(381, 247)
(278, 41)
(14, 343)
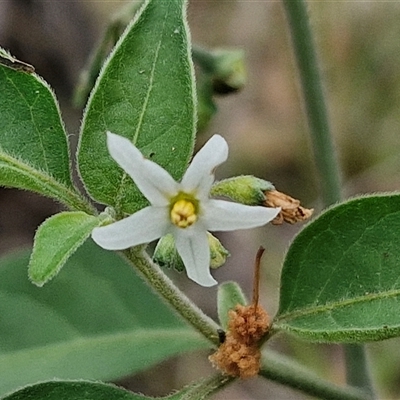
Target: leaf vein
(134, 140)
(333, 306)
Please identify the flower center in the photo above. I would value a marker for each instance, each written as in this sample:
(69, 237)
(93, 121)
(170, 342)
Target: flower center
(184, 210)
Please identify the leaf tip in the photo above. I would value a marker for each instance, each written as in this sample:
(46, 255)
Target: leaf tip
(37, 279)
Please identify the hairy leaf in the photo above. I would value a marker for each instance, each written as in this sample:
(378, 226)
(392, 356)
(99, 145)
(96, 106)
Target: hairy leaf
(56, 240)
(73, 390)
(97, 320)
(340, 280)
(34, 152)
(145, 92)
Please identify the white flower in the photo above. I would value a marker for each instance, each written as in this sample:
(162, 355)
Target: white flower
(183, 209)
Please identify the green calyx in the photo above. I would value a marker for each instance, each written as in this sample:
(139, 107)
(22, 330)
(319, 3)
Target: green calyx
(245, 189)
(166, 254)
(230, 70)
(225, 67)
(218, 253)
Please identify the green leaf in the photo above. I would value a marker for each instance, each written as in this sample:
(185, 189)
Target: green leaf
(230, 294)
(145, 92)
(73, 390)
(56, 240)
(97, 320)
(340, 279)
(86, 390)
(34, 152)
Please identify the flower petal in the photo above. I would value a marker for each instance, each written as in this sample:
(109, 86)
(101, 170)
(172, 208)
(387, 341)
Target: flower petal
(156, 184)
(200, 173)
(220, 215)
(192, 245)
(144, 226)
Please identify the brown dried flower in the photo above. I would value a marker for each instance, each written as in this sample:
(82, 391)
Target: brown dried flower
(240, 354)
(291, 212)
(248, 323)
(236, 359)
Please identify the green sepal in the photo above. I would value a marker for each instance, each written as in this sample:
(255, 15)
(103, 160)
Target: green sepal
(230, 294)
(146, 93)
(56, 240)
(224, 68)
(340, 279)
(218, 253)
(230, 73)
(166, 255)
(245, 189)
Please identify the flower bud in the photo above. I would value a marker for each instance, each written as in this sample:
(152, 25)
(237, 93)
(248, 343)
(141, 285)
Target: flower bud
(225, 68)
(252, 191)
(245, 189)
(229, 73)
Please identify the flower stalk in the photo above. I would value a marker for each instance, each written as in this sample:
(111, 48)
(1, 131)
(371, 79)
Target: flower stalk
(325, 156)
(281, 369)
(314, 100)
(159, 282)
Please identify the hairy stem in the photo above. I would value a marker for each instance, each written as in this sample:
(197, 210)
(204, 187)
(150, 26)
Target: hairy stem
(281, 369)
(274, 367)
(159, 282)
(324, 152)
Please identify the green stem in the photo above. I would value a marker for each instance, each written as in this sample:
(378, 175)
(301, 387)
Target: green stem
(357, 370)
(324, 151)
(159, 282)
(77, 202)
(40, 182)
(274, 367)
(314, 101)
(281, 369)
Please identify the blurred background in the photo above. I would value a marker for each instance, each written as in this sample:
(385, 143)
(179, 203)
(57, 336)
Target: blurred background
(264, 124)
